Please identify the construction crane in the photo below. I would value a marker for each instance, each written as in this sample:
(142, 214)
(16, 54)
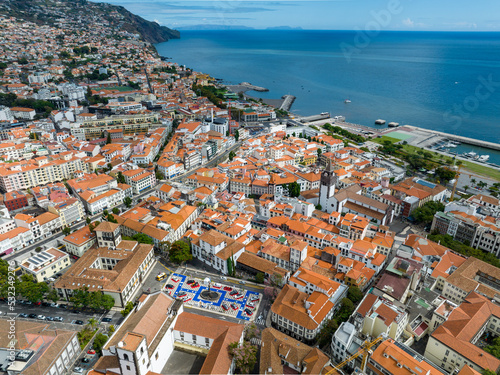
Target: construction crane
(457, 175)
(363, 350)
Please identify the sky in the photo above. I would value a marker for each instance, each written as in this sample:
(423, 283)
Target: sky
(416, 15)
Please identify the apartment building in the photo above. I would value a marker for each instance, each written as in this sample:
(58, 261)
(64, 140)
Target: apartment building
(455, 343)
(217, 250)
(394, 358)
(377, 315)
(45, 264)
(69, 211)
(77, 243)
(302, 315)
(35, 172)
(472, 275)
(92, 128)
(140, 179)
(38, 348)
(480, 233)
(284, 355)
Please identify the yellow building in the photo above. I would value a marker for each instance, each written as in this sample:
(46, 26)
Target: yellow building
(45, 264)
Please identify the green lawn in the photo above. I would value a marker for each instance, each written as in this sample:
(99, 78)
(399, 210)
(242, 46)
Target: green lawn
(120, 88)
(482, 170)
(441, 159)
(385, 138)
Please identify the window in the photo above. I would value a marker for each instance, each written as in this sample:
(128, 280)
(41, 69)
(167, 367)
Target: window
(194, 337)
(207, 341)
(125, 357)
(128, 368)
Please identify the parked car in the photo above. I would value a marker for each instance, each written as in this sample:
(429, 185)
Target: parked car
(195, 285)
(234, 306)
(46, 304)
(23, 315)
(41, 317)
(32, 316)
(254, 299)
(85, 360)
(54, 305)
(174, 279)
(169, 286)
(91, 351)
(78, 370)
(58, 318)
(227, 288)
(225, 306)
(249, 312)
(233, 293)
(37, 303)
(216, 285)
(181, 294)
(79, 322)
(239, 295)
(189, 282)
(106, 320)
(49, 318)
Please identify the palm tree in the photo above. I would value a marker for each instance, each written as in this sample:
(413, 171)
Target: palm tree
(466, 187)
(92, 323)
(472, 181)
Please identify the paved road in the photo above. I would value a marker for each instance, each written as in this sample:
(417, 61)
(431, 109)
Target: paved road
(212, 163)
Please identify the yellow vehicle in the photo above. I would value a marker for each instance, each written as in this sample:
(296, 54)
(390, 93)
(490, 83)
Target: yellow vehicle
(161, 276)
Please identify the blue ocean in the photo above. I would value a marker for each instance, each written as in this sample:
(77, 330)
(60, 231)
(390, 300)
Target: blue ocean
(446, 81)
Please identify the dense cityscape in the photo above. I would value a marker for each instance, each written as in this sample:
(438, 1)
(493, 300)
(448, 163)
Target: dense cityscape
(156, 221)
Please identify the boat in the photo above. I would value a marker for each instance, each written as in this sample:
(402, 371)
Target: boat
(484, 158)
(471, 154)
(347, 101)
(450, 144)
(393, 124)
(379, 122)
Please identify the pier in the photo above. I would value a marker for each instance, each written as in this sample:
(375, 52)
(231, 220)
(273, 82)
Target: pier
(322, 116)
(461, 139)
(249, 86)
(287, 102)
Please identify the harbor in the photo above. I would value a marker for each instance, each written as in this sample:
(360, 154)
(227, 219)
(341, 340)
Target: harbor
(473, 150)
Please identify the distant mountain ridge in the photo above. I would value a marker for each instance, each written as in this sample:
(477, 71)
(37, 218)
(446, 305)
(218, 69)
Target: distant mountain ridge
(84, 12)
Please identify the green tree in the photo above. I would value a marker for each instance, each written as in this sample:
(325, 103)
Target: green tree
(236, 135)
(259, 277)
(180, 252)
(128, 308)
(52, 296)
(128, 202)
(355, 294)
(488, 372)
(346, 309)
(319, 207)
(293, 189)
(92, 322)
(91, 227)
(120, 178)
(319, 152)
(66, 230)
(466, 187)
(116, 210)
(108, 139)
(99, 342)
(87, 220)
(425, 213)
(324, 337)
(232, 154)
(107, 302)
(143, 238)
(445, 174)
(159, 175)
(493, 348)
(244, 356)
